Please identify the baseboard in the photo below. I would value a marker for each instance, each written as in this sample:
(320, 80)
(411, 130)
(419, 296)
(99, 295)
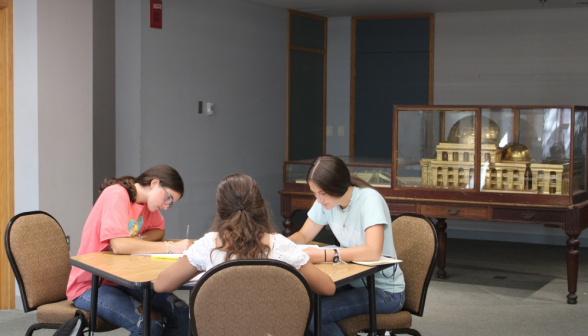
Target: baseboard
(559, 240)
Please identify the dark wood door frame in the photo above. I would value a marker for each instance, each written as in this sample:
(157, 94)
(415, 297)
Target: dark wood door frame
(353, 69)
(311, 50)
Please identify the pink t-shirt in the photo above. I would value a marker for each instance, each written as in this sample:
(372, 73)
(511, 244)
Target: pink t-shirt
(113, 216)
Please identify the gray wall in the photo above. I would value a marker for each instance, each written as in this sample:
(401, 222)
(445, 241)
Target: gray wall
(104, 117)
(228, 52)
(338, 83)
(128, 86)
(512, 57)
(501, 57)
(65, 112)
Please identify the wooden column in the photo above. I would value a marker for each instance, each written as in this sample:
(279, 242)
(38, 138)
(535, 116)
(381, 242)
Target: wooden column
(6, 149)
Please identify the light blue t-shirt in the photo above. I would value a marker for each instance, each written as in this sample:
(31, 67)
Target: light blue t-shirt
(366, 208)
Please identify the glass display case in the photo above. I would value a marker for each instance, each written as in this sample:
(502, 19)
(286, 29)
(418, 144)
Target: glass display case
(536, 150)
(376, 171)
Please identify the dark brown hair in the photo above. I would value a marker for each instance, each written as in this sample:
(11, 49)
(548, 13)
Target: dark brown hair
(331, 174)
(242, 218)
(166, 175)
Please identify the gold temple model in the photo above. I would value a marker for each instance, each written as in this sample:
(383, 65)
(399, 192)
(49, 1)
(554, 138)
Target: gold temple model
(508, 169)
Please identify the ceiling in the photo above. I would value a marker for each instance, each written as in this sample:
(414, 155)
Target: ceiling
(335, 8)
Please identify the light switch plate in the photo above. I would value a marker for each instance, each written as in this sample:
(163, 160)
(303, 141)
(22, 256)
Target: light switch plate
(340, 130)
(329, 130)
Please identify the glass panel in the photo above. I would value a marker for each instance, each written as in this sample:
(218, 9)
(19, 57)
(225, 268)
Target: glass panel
(376, 171)
(436, 149)
(296, 173)
(307, 32)
(526, 151)
(580, 124)
(378, 177)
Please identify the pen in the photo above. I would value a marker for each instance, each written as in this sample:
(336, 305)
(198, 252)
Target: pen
(164, 257)
(187, 230)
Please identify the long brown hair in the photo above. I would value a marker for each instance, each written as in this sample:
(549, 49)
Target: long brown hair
(242, 218)
(166, 175)
(331, 174)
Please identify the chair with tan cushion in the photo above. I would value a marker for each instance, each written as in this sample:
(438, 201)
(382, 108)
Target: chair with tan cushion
(415, 240)
(37, 250)
(251, 297)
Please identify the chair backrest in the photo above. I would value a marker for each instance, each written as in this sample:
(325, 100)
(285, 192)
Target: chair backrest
(38, 253)
(415, 241)
(251, 297)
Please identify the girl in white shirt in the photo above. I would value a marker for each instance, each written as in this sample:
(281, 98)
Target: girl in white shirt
(242, 230)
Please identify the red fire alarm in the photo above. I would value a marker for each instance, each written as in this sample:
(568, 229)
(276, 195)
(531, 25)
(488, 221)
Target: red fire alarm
(156, 14)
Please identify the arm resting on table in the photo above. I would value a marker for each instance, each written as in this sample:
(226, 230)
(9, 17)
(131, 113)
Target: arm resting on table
(319, 282)
(307, 233)
(175, 276)
(135, 245)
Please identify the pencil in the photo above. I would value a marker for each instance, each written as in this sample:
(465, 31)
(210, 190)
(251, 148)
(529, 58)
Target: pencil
(187, 230)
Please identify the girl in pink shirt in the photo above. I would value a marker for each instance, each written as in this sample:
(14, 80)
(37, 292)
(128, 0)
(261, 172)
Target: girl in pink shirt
(126, 219)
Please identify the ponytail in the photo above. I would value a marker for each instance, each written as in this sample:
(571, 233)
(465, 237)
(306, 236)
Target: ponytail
(127, 182)
(242, 218)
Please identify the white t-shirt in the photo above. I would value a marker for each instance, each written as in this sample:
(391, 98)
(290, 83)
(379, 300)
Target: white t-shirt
(366, 208)
(282, 249)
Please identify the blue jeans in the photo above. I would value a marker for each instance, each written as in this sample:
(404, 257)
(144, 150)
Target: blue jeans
(350, 301)
(118, 305)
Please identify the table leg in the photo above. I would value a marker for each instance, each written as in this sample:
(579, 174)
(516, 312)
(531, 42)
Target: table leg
(317, 315)
(371, 281)
(147, 311)
(572, 261)
(440, 226)
(94, 303)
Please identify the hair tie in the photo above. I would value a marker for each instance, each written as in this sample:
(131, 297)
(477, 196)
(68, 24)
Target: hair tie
(240, 209)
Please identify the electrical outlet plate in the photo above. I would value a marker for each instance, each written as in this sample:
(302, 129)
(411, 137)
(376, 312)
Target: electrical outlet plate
(329, 130)
(340, 130)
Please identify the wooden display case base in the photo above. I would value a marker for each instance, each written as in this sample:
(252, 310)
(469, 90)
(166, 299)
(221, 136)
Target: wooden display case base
(572, 219)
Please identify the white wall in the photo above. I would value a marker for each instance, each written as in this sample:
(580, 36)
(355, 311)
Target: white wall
(228, 52)
(26, 118)
(65, 112)
(501, 57)
(26, 104)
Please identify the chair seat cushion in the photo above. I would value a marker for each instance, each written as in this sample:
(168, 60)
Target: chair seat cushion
(352, 325)
(59, 312)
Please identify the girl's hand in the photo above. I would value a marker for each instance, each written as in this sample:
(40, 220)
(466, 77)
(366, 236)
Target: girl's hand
(181, 246)
(316, 255)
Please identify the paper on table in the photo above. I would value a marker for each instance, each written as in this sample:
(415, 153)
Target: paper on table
(161, 255)
(329, 247)
(383, 261)
(303, 246)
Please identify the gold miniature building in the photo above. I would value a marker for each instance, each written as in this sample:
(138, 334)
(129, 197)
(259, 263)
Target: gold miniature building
(506, 170)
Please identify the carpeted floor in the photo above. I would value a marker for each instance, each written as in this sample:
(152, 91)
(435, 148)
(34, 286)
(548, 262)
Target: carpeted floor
(492, 288)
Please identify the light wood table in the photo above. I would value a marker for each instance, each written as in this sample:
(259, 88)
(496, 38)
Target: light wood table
(138, 272)
(127, 270)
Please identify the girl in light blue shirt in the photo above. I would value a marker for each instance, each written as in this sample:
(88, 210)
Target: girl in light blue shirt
(360, 220)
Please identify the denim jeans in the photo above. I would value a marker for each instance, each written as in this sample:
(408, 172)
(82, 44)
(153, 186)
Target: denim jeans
(350, 301)
(118, 305)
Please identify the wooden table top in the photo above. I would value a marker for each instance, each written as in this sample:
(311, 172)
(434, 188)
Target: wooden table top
(138, 271)
(128, 270)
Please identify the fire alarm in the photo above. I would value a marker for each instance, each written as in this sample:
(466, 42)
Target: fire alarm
(156, 14)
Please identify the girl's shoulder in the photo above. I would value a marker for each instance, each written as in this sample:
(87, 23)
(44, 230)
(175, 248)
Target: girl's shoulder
(280, 240)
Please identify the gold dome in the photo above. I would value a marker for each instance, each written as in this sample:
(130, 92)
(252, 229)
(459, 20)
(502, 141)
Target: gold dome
(464, 131)
(516, 152)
